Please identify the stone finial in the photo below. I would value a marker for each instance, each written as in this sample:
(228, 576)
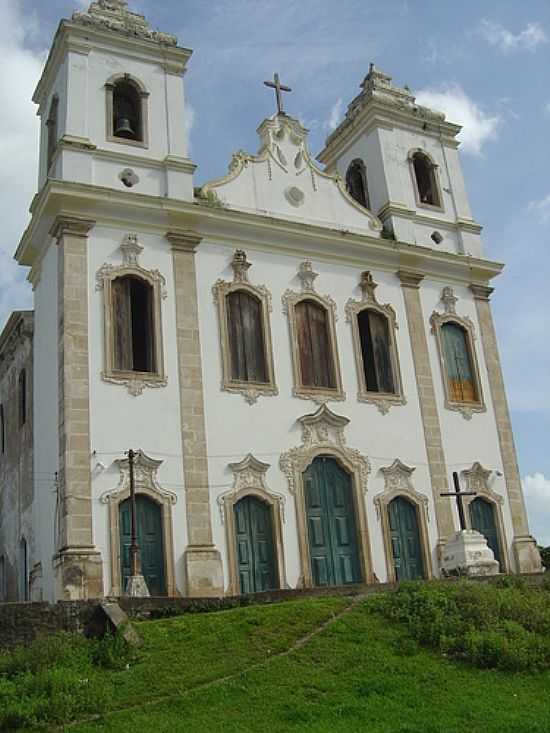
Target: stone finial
(368, 286)
(240, 266)
(307, 276)
(131, 250)
(449, 300)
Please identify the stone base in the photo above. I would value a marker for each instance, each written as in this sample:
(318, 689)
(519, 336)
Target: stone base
(136, 587)
(78, 574)
(204, 572)
(467, 554)
(527, 555)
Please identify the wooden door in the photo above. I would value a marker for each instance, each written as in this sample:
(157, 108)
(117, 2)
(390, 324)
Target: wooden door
(482, 516)
(331, 524)
(255, 547)
(150, 540)
(405, 540)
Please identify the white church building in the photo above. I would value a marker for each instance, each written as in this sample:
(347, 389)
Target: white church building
(301, 354)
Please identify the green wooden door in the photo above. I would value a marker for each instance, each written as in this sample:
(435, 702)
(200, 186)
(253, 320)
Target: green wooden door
(331, 525)
(255, 548)
(150, 540)
(482, 515)
(405, 540)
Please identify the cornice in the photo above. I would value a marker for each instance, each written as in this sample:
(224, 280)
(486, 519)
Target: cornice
(184, 240)
(394, 208)
(19, 326)
(481, 291)
(240, 229)
(73, 226)
(410, 278)
(73, 36)
(172, 162)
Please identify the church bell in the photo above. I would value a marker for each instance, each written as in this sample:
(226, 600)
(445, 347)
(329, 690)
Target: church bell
(124, 128)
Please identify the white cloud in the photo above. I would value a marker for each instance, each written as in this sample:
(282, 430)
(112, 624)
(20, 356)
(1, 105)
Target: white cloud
(18, 148)
(547, 109)
(532, 36)
(541, 209)
(537, 497)
(478, 126)
(335, 115)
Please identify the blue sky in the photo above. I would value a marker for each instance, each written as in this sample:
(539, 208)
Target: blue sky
(484, 63)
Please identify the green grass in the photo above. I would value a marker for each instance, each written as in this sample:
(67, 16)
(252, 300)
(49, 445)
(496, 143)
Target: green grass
(365, 671)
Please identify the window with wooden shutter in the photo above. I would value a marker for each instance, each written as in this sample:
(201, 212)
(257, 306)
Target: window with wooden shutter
(53, 130)
(133, 329)
(356, 182)
(314, 345)
(376, 351)
(458, 363)
(246, 337)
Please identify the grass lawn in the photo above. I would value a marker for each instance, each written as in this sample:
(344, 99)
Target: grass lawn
(359, 671)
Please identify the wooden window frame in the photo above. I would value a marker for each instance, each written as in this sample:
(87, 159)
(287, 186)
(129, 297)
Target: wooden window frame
(249, 479)
(323, 435)
(435, 174)
(290, 300)
(437, 321)
(52, 127)
(146, 484)
(383, 400)
(135, 382)
(109, 106)
(398, 483)
(251, 391)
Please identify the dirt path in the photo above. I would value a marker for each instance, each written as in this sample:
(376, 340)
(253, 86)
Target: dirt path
(298, 644)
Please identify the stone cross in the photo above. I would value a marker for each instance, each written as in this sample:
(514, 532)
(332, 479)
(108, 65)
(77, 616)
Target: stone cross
(458, 494)
(276, 84)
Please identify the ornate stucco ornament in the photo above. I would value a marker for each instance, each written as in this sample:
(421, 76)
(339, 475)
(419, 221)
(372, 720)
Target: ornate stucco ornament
(114, 15)
(249, 477)
(145, 478)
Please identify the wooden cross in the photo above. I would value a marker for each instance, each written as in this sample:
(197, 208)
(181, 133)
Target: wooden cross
(458, 494)
(276, 84)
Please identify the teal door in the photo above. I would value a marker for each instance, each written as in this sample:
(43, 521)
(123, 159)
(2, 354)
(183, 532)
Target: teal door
(331, 525)
(405, 540)
(482, 515)
(150, 540)
(255, 549)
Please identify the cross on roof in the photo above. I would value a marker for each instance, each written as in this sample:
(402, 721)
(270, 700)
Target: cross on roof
(276, 84)
(458, 494)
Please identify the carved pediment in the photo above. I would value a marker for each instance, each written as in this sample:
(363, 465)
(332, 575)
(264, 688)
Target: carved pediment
(249, 477)
(114, 15)
(145, 479)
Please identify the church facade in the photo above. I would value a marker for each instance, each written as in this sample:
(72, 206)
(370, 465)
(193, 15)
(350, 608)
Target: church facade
(301, 355)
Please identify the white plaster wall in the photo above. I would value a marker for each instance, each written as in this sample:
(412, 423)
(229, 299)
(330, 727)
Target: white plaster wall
(466, 441)
(46, 415)
(119, 421)
(268, 428)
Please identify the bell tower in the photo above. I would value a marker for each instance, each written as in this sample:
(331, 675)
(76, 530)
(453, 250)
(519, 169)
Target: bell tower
(111, 102)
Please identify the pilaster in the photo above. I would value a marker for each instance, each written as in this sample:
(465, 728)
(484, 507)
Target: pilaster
(77, 565)
(526, 554)
(203, 562)
(410, 284)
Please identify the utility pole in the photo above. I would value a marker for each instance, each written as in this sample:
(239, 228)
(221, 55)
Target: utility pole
(136, 586)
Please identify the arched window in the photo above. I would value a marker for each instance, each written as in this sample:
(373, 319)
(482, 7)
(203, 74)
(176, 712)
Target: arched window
(127, 111)
(246, 337)
(53, 130)
(374, 334)
(314, 345)
(2, 431)
(23, 570)
(133, 329)
(426, 183)
(459, 367)
(356, 182)
(22, 397)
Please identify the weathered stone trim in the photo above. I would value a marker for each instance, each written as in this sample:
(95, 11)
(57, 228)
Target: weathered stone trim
(527, 556)
(383, 401)
(221, 290)
(410, 284)
(398, 482)
(78, 566)
(249, 480)
(146, 483)
(203, 562)
(323, 435)
(437, 321)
